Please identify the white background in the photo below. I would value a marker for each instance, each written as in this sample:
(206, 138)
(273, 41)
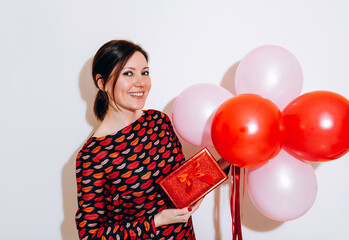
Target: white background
(47, 93)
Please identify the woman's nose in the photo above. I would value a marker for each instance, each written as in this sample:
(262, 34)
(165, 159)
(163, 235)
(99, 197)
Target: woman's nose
(139, 81)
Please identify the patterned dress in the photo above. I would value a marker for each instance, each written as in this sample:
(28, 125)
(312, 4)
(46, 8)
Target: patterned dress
(117, 182)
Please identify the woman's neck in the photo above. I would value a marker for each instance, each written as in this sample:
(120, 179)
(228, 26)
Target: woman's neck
(116, 120)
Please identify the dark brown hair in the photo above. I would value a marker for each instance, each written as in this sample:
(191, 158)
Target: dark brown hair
(108, 62)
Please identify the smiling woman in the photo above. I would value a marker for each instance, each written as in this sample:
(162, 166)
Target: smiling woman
(119, 167)
(129, 92)
(117, 65)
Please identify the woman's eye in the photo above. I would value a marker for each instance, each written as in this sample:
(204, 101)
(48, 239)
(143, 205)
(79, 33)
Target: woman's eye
(127, 73)
(145, 73)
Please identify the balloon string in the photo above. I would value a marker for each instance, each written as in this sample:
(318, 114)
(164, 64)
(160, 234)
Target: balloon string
(243, 192)
(237, 203)
(235, 198)
(232, 202)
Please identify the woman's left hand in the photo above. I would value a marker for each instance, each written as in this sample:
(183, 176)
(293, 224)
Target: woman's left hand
(173, 215)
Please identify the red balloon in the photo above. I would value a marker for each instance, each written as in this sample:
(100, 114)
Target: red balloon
(247, 130)
(317, 126)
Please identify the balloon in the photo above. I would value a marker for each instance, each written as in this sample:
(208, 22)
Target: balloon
(271, 72)
(317, 126)
(284, 188)
(247, 130)
(193, 112)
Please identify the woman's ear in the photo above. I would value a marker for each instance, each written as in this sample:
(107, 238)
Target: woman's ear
(100, 82)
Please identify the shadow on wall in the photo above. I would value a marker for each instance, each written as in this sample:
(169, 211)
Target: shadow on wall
(217, 210)
(228, 80)
(88, 91)
(68, 227)
(253, 219)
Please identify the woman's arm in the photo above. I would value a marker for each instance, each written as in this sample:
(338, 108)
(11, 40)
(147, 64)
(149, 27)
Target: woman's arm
(94, 218)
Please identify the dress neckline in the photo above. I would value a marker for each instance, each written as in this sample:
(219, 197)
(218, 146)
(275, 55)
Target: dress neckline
(120, 131)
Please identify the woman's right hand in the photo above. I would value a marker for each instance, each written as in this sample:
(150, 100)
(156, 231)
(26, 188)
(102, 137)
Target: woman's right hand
(173, 215)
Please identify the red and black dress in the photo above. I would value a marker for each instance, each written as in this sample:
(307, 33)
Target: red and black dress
(117, 180)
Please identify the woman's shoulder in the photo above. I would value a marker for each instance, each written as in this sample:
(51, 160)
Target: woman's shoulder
(91, 146)
(155, 114)
(88, 153)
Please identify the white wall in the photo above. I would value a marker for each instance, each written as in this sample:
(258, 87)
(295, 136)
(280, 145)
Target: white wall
(46, 96)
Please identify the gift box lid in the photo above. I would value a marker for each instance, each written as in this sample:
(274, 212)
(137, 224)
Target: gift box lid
(194, 179)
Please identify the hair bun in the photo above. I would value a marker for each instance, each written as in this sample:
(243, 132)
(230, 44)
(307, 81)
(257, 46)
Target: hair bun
(101, 104)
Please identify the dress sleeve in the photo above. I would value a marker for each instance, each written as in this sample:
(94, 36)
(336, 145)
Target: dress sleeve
(173, 134)
(95, 214)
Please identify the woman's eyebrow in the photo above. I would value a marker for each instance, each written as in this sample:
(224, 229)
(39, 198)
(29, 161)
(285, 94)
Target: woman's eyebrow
(129, 68)
(134, 68)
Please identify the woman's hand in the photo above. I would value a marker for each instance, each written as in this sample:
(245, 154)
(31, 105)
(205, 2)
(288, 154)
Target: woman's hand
(172, 215)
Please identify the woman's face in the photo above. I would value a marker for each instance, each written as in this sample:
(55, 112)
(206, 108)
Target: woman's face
(133, 85)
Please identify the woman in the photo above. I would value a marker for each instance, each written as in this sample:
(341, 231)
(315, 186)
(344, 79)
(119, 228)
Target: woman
(118, 168)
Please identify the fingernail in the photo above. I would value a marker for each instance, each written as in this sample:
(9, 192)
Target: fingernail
(189, 209)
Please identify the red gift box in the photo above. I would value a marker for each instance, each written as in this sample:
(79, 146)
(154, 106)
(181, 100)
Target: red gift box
(193, 179)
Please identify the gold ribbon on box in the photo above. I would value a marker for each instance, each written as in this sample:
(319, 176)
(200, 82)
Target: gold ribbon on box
(187, 178)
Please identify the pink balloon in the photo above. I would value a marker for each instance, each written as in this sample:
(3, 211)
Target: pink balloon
(193, 112)
(284, 188)
(272, 72)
